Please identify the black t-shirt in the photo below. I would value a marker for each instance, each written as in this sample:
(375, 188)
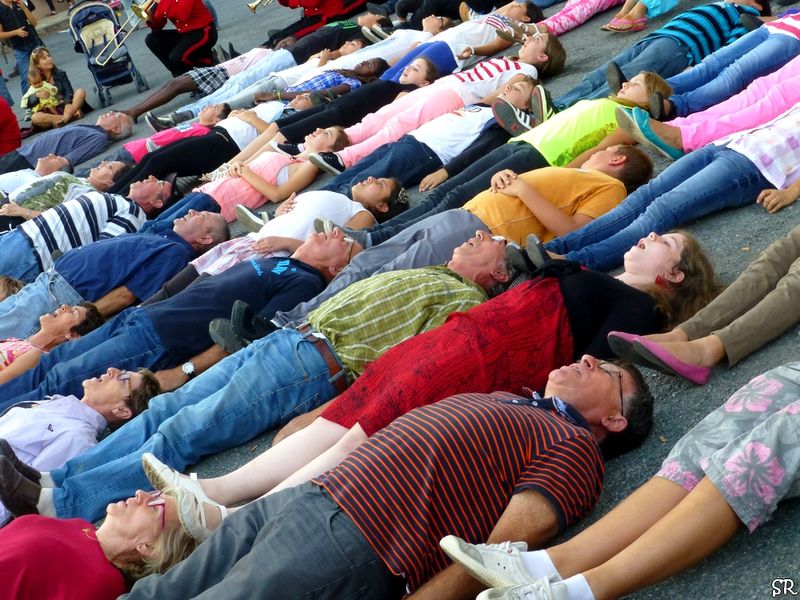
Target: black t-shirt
(12, 18)
(598, 304)
(266, 284)
(331, 37)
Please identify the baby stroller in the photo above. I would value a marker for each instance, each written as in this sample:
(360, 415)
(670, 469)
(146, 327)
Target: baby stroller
(96, 32)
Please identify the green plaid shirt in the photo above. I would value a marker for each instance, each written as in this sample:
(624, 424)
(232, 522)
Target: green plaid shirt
(367, 318)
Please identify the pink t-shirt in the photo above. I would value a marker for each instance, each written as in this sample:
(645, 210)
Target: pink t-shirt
(57, 559)
(11, 349)
(139, 148)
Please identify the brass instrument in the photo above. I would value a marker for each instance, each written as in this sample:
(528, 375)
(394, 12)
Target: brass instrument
(257, 3)
(142, 12)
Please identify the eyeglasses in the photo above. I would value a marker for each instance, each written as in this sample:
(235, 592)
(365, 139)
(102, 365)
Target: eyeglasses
(158, 499)
(614, 373)
(125, 377)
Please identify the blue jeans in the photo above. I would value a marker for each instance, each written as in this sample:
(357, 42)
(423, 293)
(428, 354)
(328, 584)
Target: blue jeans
(277, 61)
(439, 53)
(258, 388)
(19, 314)
(661, 55)
(17, 257)
(731, 69)
(5, 94)
(454, 193)
(23, 58)
(196, 200)
(129, 341)
(702, 182)
(406, 160)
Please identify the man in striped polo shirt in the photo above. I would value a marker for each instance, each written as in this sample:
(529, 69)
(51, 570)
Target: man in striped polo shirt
(479, 465)
(28, 250)
(288, 372)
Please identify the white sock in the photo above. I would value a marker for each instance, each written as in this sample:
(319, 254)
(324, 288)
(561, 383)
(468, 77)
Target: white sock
(46, 506)
(539, 565)
(578, 588)
(45, 480)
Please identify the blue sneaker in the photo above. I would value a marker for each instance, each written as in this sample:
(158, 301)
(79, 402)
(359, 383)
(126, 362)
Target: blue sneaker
(636, 123)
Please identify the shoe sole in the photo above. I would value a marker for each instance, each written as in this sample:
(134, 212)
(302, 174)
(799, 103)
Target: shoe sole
(370, 35)
(247, 220)
(628, 124)
(492, 578)
(624, 349)
(505, 117)
(153, 474)
(323, 166)
(225, 336)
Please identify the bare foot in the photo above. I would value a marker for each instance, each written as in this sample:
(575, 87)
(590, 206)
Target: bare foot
(676, 335)
(705, 352)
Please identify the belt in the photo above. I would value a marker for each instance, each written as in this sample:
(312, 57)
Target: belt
(321, 344)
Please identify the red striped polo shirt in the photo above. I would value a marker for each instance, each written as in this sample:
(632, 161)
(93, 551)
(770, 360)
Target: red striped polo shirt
(452, 467)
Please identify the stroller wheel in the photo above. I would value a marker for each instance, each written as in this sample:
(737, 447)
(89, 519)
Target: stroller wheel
(141, 83)
(101, 98)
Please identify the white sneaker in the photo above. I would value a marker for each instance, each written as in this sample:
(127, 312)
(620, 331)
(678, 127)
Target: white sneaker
(543, 589)
(496, 565)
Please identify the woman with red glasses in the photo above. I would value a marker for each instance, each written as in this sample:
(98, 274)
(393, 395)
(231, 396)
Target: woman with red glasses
(44, 557)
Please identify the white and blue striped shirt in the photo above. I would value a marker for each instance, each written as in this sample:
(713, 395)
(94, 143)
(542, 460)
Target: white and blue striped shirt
(85, 219)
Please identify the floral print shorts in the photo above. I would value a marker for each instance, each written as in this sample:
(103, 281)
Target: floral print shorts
(749, 447)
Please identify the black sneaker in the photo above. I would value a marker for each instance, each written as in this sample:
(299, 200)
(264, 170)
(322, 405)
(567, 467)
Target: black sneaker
(615, 77)
(289, 149)
(511, 118)
(221, 331)
(328, 162)
(248, 324)
(657, 106)
(541, 105)
(26, 471)
(378, 9)
(751, 22)
(159, 123)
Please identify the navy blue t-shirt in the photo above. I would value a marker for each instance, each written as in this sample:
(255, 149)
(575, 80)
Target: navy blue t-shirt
(142, 262)
(266, 284)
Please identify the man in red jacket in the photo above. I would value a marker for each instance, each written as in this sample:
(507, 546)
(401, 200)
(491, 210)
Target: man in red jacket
(316, 13)
(190, 43)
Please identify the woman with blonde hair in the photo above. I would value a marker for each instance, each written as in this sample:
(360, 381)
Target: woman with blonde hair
(44, 557)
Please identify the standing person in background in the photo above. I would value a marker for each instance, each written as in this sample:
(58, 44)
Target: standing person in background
(190, 43)
(18, 26)
(9, 129)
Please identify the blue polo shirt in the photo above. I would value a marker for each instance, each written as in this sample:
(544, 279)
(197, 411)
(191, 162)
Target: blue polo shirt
(266, 284)
(142, 262)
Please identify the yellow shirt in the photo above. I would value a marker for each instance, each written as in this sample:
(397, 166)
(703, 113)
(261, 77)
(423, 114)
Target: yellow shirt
(574, 191)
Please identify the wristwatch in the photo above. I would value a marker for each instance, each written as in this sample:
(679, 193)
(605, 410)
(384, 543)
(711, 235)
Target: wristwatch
(188, 369)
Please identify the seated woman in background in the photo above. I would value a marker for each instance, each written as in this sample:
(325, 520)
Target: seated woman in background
(730, 470)
(71, 103)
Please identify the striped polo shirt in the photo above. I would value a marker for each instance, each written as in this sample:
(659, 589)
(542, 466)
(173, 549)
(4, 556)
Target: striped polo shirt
(452, 468)
(705, 29)
(82, 220)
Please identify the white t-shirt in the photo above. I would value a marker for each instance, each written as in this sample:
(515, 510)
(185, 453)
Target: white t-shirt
(245, 61)
(10, 182)
(473, 33)
(243, 133)
(299, 222)
(451, 134)
(485, 77)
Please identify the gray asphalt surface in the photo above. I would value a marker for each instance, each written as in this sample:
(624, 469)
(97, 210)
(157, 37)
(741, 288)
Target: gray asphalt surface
(746, 567)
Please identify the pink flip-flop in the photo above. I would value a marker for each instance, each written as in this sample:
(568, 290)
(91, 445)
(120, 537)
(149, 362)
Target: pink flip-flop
(661, 360)
(632, 26)
(616, 21)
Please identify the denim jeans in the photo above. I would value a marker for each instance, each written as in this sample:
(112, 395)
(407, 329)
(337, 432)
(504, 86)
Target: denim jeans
(429, 242)
(17, 257)
(19, 314)
(5, 94)
(661, 55)
(258, 388)
(731, 69)
(297, 544)
(129, 341)
(277, 61)
(406, 160)
(23, 58)
(194, 201)
(454, 193)
(702, 182)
